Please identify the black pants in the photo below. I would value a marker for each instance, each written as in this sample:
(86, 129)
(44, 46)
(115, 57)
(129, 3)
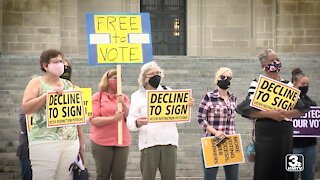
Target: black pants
(273, 143)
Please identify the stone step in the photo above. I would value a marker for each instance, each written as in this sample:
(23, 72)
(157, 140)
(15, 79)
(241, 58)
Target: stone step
(196, 73)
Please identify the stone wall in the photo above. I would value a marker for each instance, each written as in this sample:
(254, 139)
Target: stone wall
(224, 27)
(243, 27)
(29, 26)
(264, 24)
(214, 27)
(69, 26)
(298, 26)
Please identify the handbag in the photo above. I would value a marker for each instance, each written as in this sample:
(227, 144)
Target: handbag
(79, 173)
(250, 150)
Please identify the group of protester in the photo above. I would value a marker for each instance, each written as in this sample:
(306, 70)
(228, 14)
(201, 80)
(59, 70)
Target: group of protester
(52, 150)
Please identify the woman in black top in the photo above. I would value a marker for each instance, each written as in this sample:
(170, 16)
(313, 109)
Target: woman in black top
(307, 146)
(273, 131)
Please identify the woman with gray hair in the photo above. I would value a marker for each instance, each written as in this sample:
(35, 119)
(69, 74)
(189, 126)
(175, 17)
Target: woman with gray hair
(273, 129)
(157, 141)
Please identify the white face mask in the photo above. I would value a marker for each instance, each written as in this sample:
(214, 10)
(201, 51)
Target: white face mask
(56, 68)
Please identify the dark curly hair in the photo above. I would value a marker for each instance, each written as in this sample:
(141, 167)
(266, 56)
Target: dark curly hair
(296, 74)
(46, 55)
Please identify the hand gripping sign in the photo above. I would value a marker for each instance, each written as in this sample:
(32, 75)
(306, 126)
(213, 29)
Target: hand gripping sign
(274, 95)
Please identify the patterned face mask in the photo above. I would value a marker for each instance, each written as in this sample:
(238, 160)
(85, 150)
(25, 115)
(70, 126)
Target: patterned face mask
(275, 66)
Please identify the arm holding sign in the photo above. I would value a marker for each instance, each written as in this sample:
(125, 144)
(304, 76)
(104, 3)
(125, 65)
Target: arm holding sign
(124, 100)
(97, 119)
(141, 121)
(204, 109)
(31, 101)
(202, 115)
(299, 109)
(274, 115)
(134, 114)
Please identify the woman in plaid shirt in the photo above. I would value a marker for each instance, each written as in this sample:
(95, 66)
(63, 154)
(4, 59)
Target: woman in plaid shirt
(216, 116)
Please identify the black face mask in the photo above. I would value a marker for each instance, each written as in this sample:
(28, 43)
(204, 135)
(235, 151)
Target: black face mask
(154, 81)
(303, 90)
(223, 84)
(67, 73)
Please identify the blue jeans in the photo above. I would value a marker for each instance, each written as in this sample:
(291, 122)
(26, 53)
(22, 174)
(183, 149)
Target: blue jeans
(310, 158)
(26, 172)
(230, 171)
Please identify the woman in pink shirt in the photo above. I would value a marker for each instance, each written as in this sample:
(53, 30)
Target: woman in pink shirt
(110, 157)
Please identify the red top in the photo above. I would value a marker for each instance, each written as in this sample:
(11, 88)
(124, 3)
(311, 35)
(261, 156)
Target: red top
(104, 104)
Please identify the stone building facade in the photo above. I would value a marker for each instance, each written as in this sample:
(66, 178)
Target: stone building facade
(214, 27)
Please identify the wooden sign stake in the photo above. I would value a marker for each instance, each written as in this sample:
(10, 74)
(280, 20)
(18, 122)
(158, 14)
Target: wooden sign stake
(119, 91)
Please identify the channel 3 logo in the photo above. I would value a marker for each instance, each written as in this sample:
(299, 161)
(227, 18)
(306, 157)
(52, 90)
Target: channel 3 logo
(294, 162)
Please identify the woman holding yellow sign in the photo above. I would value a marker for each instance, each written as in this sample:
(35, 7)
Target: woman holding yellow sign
(273, 130)
(110, 157)
(52, 150)
(157, 141)
(216, 116)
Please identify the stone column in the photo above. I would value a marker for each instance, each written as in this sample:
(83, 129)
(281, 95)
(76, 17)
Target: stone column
(0, 28)
(69, 26)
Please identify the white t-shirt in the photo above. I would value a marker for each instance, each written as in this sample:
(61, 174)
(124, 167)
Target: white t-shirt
(152, 134)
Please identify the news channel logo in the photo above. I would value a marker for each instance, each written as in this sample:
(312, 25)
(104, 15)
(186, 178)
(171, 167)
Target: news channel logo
(294, 162)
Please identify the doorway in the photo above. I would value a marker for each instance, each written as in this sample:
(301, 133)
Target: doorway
(168, 25)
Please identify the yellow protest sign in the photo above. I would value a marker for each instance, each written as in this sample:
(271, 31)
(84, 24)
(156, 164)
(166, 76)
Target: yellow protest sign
(65, 109)
(29, 122)
(228, 152)
(168, 106)
(118, 38)
(118, 27)
(87, 101)
(274, 95)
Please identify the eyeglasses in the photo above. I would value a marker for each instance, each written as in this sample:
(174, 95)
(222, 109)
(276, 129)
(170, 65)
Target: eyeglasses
(222, 77)
(56, 61)
(153, 74)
